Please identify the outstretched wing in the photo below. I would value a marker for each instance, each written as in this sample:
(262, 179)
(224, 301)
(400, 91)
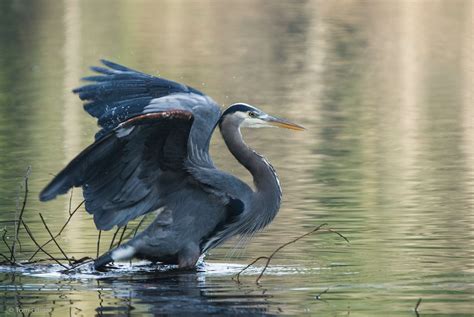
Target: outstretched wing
(151, 128)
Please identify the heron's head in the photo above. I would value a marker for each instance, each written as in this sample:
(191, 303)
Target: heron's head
(248, 116)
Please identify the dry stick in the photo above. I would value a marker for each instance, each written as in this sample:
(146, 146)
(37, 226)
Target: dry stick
(269, 258)
(282, 246)
(60, 231)
(339, 234)
(70, 201)
(54, 240)
(20, 217)
(113, 238)
(323, 292)
(134, 232)
(41, 260)
(237, 276)
(121, 236)
(138, 226)
(37, 244)
(12, 262)
(67, 270)
(98, 243)
(6, 259)
(84, 258)
(417, 305)
(6, 243)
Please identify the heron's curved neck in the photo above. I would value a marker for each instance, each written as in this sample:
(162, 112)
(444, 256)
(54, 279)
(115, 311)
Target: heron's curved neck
(268, 192)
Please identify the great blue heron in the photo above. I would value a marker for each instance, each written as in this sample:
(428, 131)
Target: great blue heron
(152, 154)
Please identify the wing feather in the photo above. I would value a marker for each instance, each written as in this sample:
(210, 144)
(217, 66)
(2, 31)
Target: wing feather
(141, 154)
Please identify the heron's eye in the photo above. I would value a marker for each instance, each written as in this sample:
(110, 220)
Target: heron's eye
(252, 114)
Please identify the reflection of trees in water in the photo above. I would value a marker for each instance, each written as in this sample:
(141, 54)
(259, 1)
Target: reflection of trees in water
(391, 142)
(175, 292)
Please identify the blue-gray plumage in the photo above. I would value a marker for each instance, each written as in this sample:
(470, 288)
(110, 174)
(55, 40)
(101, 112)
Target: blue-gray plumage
(152, 154)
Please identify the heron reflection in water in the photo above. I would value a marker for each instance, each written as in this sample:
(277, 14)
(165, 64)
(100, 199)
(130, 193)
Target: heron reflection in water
(152, 154)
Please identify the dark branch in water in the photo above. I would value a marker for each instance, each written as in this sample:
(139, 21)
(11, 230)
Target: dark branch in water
(318, 297)
(270, 257)
(20, 217)
(70, 201)
(69, 269)
(54, 240)
(73, 263)
(113, 239)
(98, 243)
(338, 233)
(41, 260)
(7, 260)
(37, 244)
(138, 226)
(237, 276)
(71, 214)
(121, 236)
(417, 305)
(6, 243)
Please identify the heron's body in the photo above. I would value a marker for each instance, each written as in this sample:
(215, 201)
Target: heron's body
(152, 155)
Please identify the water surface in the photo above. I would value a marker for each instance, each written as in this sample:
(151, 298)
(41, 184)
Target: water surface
(384, 89)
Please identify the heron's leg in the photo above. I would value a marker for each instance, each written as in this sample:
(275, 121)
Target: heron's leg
(188, 256)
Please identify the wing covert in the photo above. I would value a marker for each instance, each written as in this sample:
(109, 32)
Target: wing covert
(121, 172)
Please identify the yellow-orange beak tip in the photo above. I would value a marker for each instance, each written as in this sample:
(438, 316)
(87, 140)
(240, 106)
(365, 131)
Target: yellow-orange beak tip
(287, 125)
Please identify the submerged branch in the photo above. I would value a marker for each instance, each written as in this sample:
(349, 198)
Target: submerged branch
(236, 277)
(20, 217)
(418, 305)
(6, 243)
(54, 240)
(71, 214)
(113, 238)
(98, 244)
(41, 248)
(121, 236)
(85, 261)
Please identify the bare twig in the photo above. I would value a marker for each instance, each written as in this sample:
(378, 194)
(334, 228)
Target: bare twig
(237, 276)
(37, 244)
(7, 260)
(20, 217)
(113, 238)
(282, 246)
(417, 305)
(338, 233)
(54, 240)
(121, 236)
(323, 292)
(270, 257)
(69, 269)
(138, 226)
(71, 214)
(41, 260)
(70, 201)
(6, 243)
(78, 261)
(98, 243)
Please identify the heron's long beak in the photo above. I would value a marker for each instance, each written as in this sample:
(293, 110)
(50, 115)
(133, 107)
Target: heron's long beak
(282, 123)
